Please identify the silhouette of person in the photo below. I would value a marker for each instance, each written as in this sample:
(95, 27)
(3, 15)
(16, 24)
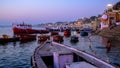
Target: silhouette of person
(108, 47)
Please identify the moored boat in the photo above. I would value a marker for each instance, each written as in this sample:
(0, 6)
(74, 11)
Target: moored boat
(19, 31)
(74, 39)
(6, 39)
(54, 33)
(43, 31)
(67, 33)
(55, 55)
(52, 29)
(78, 32)
(27, 37)
(21, 28)
(31, 31)
(26, 29)
(58, 38)
(84, 33)
(43, 38)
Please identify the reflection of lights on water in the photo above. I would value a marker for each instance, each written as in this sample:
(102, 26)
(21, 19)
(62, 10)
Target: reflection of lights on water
(108, 60)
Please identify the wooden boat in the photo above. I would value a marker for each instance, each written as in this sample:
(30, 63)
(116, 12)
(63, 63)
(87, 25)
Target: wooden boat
(19, 31)
(67, 33)
(6, 39)
(55, 55)
(26, 29)
(88, 30)
(78, 32)
(21, 28)
(26, 37)
(74, 39)
(43, 38)
(52, 29)
(83, 33)
(43, 31)
(58, 38)
(32, 31)
(54, 33)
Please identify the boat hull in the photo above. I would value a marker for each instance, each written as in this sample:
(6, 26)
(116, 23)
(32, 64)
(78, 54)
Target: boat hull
(43, 38)
(6, 40)
(26, 38)
(58, 38)
(61, 56)
(67, 33)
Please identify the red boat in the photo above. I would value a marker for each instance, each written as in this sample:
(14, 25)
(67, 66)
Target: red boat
(27, 37)
(54, 33)
(43, 31)
(43, 38)
(67, 33)
(58, 38)
(21, 28)
(26, 29)
(31, 31)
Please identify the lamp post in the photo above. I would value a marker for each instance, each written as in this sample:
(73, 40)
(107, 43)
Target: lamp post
(109, 6)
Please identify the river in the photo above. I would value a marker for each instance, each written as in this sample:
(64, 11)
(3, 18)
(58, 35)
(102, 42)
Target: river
(18, 55)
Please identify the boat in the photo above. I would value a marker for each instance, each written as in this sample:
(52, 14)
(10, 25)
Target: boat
(58, 38)
(31, 31)
(21, 28)
(55, 55)
(5, 39)
(26, 29)
(74, 39)
(89, 30)
(27, 37)
(54, 33)
(84, 33)
(52, 28)
(67, 33)
(43, 38)
(43, 31)
(78, 32)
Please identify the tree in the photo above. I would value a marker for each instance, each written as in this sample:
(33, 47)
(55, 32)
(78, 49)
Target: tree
(117, 6)
(92, 18)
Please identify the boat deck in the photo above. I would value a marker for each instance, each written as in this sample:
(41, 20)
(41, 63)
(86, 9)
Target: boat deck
(51, 48)
(80, 65)
(48, 48)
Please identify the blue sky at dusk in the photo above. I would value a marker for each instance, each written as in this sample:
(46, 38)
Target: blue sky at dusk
(45, 11)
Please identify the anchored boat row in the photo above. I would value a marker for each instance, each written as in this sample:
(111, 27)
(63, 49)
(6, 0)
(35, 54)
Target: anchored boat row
(54, 35)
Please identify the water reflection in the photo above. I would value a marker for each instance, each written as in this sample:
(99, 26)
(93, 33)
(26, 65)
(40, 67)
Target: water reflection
(16, 55)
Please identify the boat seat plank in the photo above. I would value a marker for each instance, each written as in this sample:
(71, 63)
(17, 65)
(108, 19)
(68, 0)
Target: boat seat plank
(80, 65)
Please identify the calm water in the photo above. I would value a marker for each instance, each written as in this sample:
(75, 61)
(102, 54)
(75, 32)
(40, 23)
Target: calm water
(18, 55)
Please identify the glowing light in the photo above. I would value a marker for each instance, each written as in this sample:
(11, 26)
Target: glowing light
(109, 6)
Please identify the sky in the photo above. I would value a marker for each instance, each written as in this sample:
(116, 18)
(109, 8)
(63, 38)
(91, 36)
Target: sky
(48, 11)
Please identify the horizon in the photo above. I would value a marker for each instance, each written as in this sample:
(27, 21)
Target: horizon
(39, 11)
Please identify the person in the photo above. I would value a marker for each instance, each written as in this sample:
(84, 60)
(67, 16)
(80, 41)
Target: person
(108, 46)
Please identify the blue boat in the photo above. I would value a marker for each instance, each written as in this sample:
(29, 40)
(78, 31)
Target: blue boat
(84, 33)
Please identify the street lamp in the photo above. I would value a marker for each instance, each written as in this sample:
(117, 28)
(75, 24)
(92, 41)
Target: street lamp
(109, 6)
